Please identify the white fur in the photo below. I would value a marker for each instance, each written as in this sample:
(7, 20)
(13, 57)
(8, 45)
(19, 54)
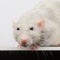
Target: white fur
(49, 11)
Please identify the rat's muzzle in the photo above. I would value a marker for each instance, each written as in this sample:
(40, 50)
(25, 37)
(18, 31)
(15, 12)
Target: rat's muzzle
(24, 42)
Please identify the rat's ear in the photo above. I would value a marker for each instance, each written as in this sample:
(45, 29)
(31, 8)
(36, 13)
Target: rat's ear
(40, 23)
(14, 23)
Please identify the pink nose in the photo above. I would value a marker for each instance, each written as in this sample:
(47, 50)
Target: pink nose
(24, 41)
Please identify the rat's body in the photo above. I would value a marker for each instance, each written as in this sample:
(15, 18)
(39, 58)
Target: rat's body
(40, 26)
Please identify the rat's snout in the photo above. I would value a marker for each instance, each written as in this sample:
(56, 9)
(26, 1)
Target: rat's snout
(24, 41)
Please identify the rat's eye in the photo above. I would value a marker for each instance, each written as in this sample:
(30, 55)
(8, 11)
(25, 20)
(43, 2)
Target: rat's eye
(18, 28)
(31, 28)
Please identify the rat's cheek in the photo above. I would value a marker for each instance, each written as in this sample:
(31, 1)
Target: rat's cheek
(18, 39)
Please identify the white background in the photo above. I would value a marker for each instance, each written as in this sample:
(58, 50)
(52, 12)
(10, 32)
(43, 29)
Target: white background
(9, 10)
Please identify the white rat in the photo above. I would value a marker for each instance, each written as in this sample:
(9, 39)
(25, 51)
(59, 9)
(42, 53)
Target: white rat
(39, 27)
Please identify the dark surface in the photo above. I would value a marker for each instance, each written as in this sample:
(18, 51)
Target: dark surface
(29, 55)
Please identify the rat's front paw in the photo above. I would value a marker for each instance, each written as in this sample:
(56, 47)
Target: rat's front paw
(34, 46)
(58, 45)
(18, 46)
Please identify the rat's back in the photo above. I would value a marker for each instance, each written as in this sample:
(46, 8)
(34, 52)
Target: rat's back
(49, 9)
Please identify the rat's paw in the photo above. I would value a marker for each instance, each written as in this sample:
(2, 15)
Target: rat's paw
(34, 47)
(18, 46)
(58, 45)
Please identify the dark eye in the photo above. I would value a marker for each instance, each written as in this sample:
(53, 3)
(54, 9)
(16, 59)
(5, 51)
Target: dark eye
(31, 28)
(18, 28)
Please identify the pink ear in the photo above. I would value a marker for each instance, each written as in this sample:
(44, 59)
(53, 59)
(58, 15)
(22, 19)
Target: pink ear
(41, 23)
(14, 23)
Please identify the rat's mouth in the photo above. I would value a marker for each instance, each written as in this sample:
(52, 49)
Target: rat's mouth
(24, 45)
(32, 46)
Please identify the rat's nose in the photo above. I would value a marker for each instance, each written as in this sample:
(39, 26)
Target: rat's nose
(23, 42)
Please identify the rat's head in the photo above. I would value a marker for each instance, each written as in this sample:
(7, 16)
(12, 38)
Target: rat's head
(28, 31)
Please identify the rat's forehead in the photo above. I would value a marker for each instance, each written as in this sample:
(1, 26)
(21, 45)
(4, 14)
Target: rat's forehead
(29, 19)
(26, 23)
(26, 20)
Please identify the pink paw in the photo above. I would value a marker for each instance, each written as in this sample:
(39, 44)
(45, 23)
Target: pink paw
(58, 45)
(34, 46)
(18, 46)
